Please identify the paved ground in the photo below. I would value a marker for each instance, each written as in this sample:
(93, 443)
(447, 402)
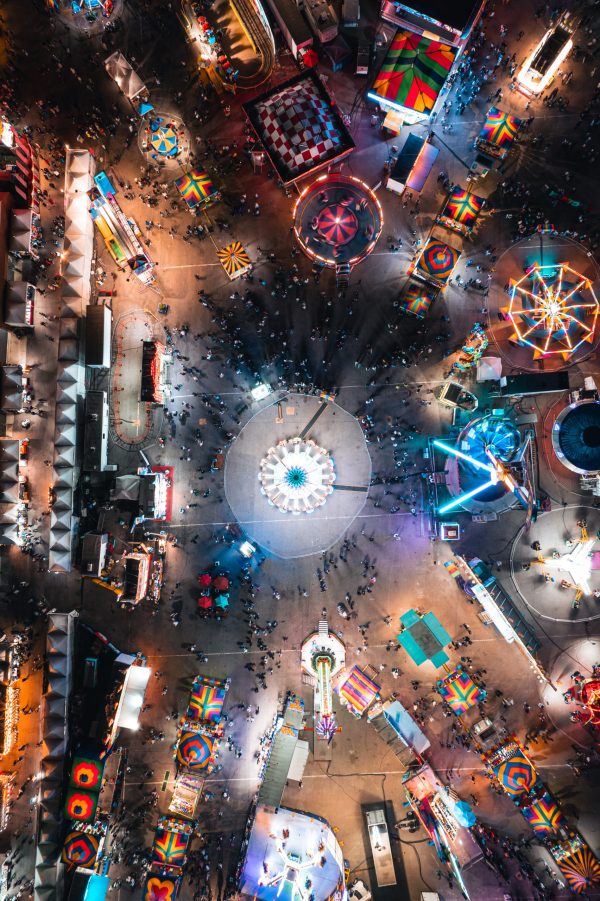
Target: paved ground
(361, 346)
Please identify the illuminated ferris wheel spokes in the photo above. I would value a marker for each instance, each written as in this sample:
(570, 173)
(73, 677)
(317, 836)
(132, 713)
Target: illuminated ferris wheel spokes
(549, 306)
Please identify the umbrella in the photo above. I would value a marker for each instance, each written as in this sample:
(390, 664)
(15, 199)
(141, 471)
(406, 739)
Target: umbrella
(205, 580)
(221, 583)
(204, 602)
(222, 601)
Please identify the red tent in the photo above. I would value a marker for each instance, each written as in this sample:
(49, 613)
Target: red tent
(204, 602)
(205, 580)
(310, 59)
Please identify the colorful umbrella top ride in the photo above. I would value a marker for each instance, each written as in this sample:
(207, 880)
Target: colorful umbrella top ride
(337, 224)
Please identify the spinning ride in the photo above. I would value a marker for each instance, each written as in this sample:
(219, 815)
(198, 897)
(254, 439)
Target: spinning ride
(490, 454)
(337, 220)
(296, 476)
(553, 310)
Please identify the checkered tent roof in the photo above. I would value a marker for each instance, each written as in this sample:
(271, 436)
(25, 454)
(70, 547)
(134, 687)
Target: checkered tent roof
(299, 127)
(414, 71)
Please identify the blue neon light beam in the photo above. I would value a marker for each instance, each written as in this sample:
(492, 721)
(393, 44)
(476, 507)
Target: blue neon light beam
(465, 497)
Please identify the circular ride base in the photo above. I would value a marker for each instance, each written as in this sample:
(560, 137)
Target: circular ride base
(552, 530)
(544, 250)
(79, 21)
(337, 220)
(285, 534)
(156, 145)
(133, 423)
(579, 654)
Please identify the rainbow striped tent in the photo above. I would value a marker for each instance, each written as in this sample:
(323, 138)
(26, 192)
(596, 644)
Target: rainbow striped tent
(413, 73)
(580, 869)
(196, 188)
(80, 849)
(170, 847)
(460, 692)
(206, 700)
(544, 815)
(358, 691)
(514, 770)
(461, 210)
(196, 747)
(437, 261)
(417, 299)
(498, 133)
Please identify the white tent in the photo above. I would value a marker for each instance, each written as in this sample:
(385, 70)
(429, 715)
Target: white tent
(489, 369)
(125, 75)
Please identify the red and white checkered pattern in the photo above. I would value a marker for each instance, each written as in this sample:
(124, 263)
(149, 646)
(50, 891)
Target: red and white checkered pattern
(297, 127)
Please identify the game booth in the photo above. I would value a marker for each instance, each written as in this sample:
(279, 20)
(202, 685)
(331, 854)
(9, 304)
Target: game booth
(199, 733)
(413, 165)
(498, 134)
(461, 211)
(169, 853)
(459, 692)
(577, 863)
(435, 264)
(416, 299)
(234, 260)
(412, 75)
(357, 690)
(423, 638)
(299, 126)
(197, 190)
(446, 819)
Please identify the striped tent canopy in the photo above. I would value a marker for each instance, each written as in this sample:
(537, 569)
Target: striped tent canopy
(87, 773)
(234, 259)
(544, 815)
(196, 188)
(580, 869)
(437, 261)
(413, 72)
(417, 299)
(161, 888)
(460, 692)
(170, 847)
(81, 805)
(516, 774)
(499, 129)
(358, 691)
(461, 210)
(196, 749)
(80, 850)
(206, 700)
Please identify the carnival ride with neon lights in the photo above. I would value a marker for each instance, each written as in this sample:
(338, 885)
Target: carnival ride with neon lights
(497, 449)
(553, 310)
(323, 656)
(337, 221)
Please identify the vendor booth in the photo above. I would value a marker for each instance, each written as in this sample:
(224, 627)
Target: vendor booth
(234, 260)
(197, 189)
(413, 165)
(461, 211)
(436, 263)
(416, 299)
